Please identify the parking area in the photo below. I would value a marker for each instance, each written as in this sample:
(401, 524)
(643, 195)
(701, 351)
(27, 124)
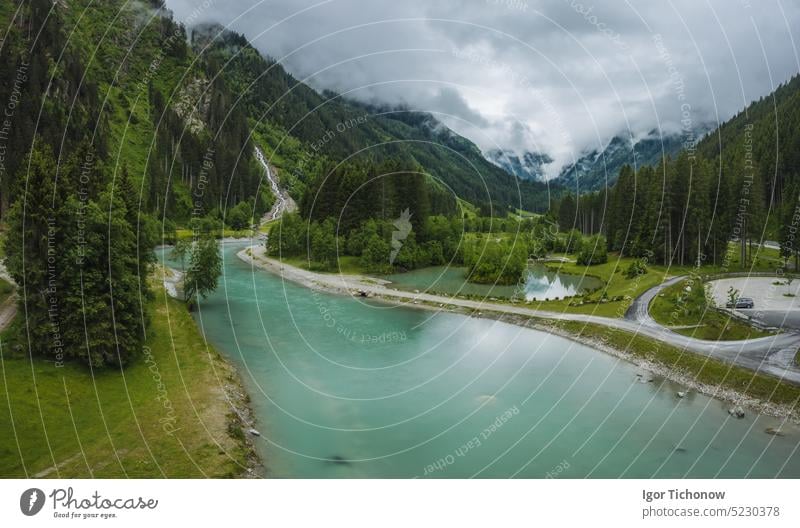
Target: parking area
(774, 302)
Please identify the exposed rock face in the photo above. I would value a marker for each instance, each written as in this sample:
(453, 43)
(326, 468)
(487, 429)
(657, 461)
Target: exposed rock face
(192, 104)
(525, 166)
(599, 167)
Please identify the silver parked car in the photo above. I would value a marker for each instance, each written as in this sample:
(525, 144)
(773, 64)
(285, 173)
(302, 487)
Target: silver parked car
(741, 303)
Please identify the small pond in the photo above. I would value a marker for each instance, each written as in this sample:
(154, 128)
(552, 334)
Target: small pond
(539, 283)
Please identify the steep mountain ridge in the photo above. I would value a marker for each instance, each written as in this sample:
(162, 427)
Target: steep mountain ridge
(302, 126)
(600, 168)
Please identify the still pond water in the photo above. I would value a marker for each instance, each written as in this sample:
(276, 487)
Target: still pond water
(538, 283)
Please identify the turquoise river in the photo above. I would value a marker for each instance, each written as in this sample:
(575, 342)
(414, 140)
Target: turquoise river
(343, 387)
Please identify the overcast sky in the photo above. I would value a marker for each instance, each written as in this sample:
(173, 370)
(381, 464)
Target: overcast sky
(559, 76)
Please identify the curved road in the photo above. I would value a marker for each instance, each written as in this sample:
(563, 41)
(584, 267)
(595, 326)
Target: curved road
(772, 355)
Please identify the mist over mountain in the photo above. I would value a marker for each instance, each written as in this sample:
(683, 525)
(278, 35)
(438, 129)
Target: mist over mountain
(525, 76)
(598, 167)
(526, 166)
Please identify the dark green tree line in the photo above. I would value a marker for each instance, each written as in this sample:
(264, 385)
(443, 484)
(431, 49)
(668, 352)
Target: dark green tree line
(80, 263)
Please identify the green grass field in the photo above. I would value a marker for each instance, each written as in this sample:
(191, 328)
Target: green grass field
(674, 308)
(618, 285)
(71, 422)
(612, 273)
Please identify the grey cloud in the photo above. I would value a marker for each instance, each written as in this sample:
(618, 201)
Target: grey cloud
(449, 101)
(557, 76)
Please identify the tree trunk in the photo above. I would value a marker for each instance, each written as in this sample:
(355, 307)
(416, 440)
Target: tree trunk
(742, 248)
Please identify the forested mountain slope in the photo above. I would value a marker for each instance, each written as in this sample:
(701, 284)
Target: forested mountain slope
(118, 80)
(304, 126)
(122, 125)
(768, 133)
(600, 168)
(740, 183)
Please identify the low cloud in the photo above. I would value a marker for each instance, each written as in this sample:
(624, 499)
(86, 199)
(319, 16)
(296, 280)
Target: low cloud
(558, 77)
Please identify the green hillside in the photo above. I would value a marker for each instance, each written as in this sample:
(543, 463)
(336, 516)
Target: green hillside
(767, 131)
(304, 126)
(740, 184)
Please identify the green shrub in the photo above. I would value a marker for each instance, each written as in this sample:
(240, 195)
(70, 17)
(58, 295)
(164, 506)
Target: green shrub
(593, 251)
(636, 268)
(239, 217)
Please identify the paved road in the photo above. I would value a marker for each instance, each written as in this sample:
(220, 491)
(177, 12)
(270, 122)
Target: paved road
(771, 355)
(775, 318)
(639, 308)
(772, 306)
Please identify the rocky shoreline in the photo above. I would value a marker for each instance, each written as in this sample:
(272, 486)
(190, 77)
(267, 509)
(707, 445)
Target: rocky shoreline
(733, 397)
(242, 420)
(350, 284)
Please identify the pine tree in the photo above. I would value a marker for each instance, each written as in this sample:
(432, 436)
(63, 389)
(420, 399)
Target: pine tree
(566, 212)
(32, 250)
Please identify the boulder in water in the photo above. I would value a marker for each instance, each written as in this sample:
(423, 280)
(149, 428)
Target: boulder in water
(681, 394)
(338, 459)
(737, 411)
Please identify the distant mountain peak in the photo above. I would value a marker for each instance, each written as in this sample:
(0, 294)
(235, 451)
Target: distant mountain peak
(598, 168)
(529, 166)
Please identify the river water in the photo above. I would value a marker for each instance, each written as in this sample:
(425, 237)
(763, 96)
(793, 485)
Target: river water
(345, 387)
